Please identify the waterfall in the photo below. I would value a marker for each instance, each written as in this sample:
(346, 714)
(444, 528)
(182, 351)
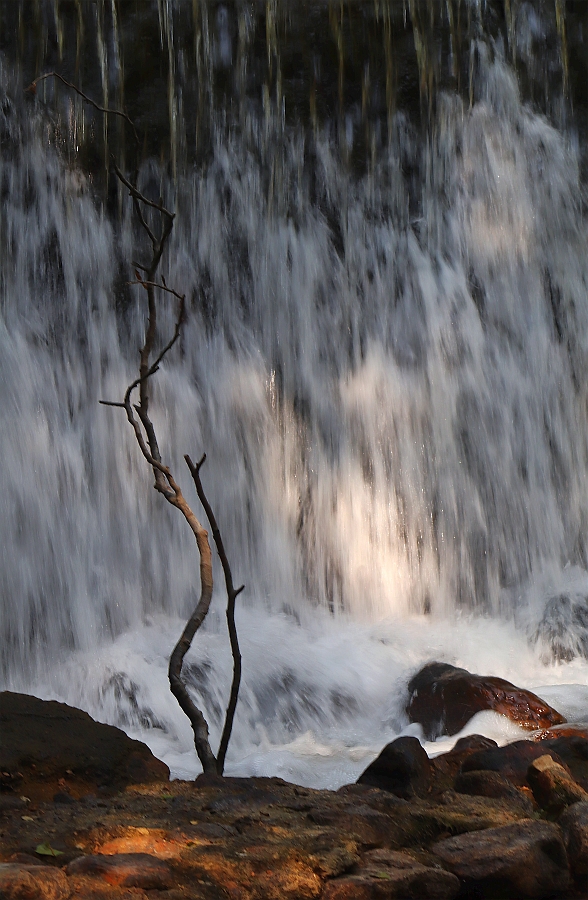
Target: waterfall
(385, 361)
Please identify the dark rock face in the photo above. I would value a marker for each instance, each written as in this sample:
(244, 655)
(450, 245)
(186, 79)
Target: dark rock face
(525, 859)
(138, 870)
(49, 747)
(447, 766)
(387, 874)
(403, 768)
(511, 762)
(574, 824)
(444, 698)
(493, 785)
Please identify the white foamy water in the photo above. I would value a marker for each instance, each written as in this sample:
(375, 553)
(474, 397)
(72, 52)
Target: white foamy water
(393, 408)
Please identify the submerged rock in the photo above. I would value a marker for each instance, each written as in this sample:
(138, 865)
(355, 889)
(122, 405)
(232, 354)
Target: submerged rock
(49, 748)
(443, 699)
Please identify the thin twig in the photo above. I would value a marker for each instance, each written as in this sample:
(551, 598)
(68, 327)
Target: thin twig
(136, 193)
(162, 287)
(155, 365)
(232, 594)
(103, 109)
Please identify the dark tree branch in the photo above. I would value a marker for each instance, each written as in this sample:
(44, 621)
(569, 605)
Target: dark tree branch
(134, 192)
(162, 287)
(232, 594)
(109, 112)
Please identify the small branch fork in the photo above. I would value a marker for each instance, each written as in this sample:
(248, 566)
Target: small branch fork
(32, 89)
(165, 483)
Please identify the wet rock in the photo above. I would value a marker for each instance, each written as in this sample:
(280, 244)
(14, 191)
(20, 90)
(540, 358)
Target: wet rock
(447, 766)
(492, 784)
(574, 824)
(402, 768)
(553, 787)
(22, 882)
(525, 859)
(511, 762)
(573, 752)
(569, 729)
(387, 874)
(138, 870)
(443, 699)
(59, 749)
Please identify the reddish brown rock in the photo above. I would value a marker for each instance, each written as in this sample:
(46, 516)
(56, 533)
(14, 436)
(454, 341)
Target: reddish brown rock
(447, 766)
(49, 748)
(573, 752)
(125, 870)
(553, 787)
(18, 882)
(403, 768)
(443, 699)
(525, 859)
(385, 875)
(569, 729)
(84, 888)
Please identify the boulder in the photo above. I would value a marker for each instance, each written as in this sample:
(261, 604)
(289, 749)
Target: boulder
(386, 874)
(402, 768)
(525, 859)
(138, 870)
(22, 882)
(511, 762)
(573, 751)
(443, 699)
(49, 748)
(447, 766)
(553, 787)
(574, 824)
(493, 785)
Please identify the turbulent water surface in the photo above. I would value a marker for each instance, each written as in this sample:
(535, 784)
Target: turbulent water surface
(381, 234)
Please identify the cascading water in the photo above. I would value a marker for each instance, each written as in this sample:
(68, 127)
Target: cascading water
(385, 360)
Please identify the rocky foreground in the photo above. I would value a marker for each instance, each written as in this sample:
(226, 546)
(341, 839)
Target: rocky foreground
(87, 813)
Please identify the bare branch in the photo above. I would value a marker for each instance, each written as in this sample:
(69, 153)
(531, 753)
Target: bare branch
(109, 112)
(232, 595)
(143, 221)
(134, 192)
(162, 287)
